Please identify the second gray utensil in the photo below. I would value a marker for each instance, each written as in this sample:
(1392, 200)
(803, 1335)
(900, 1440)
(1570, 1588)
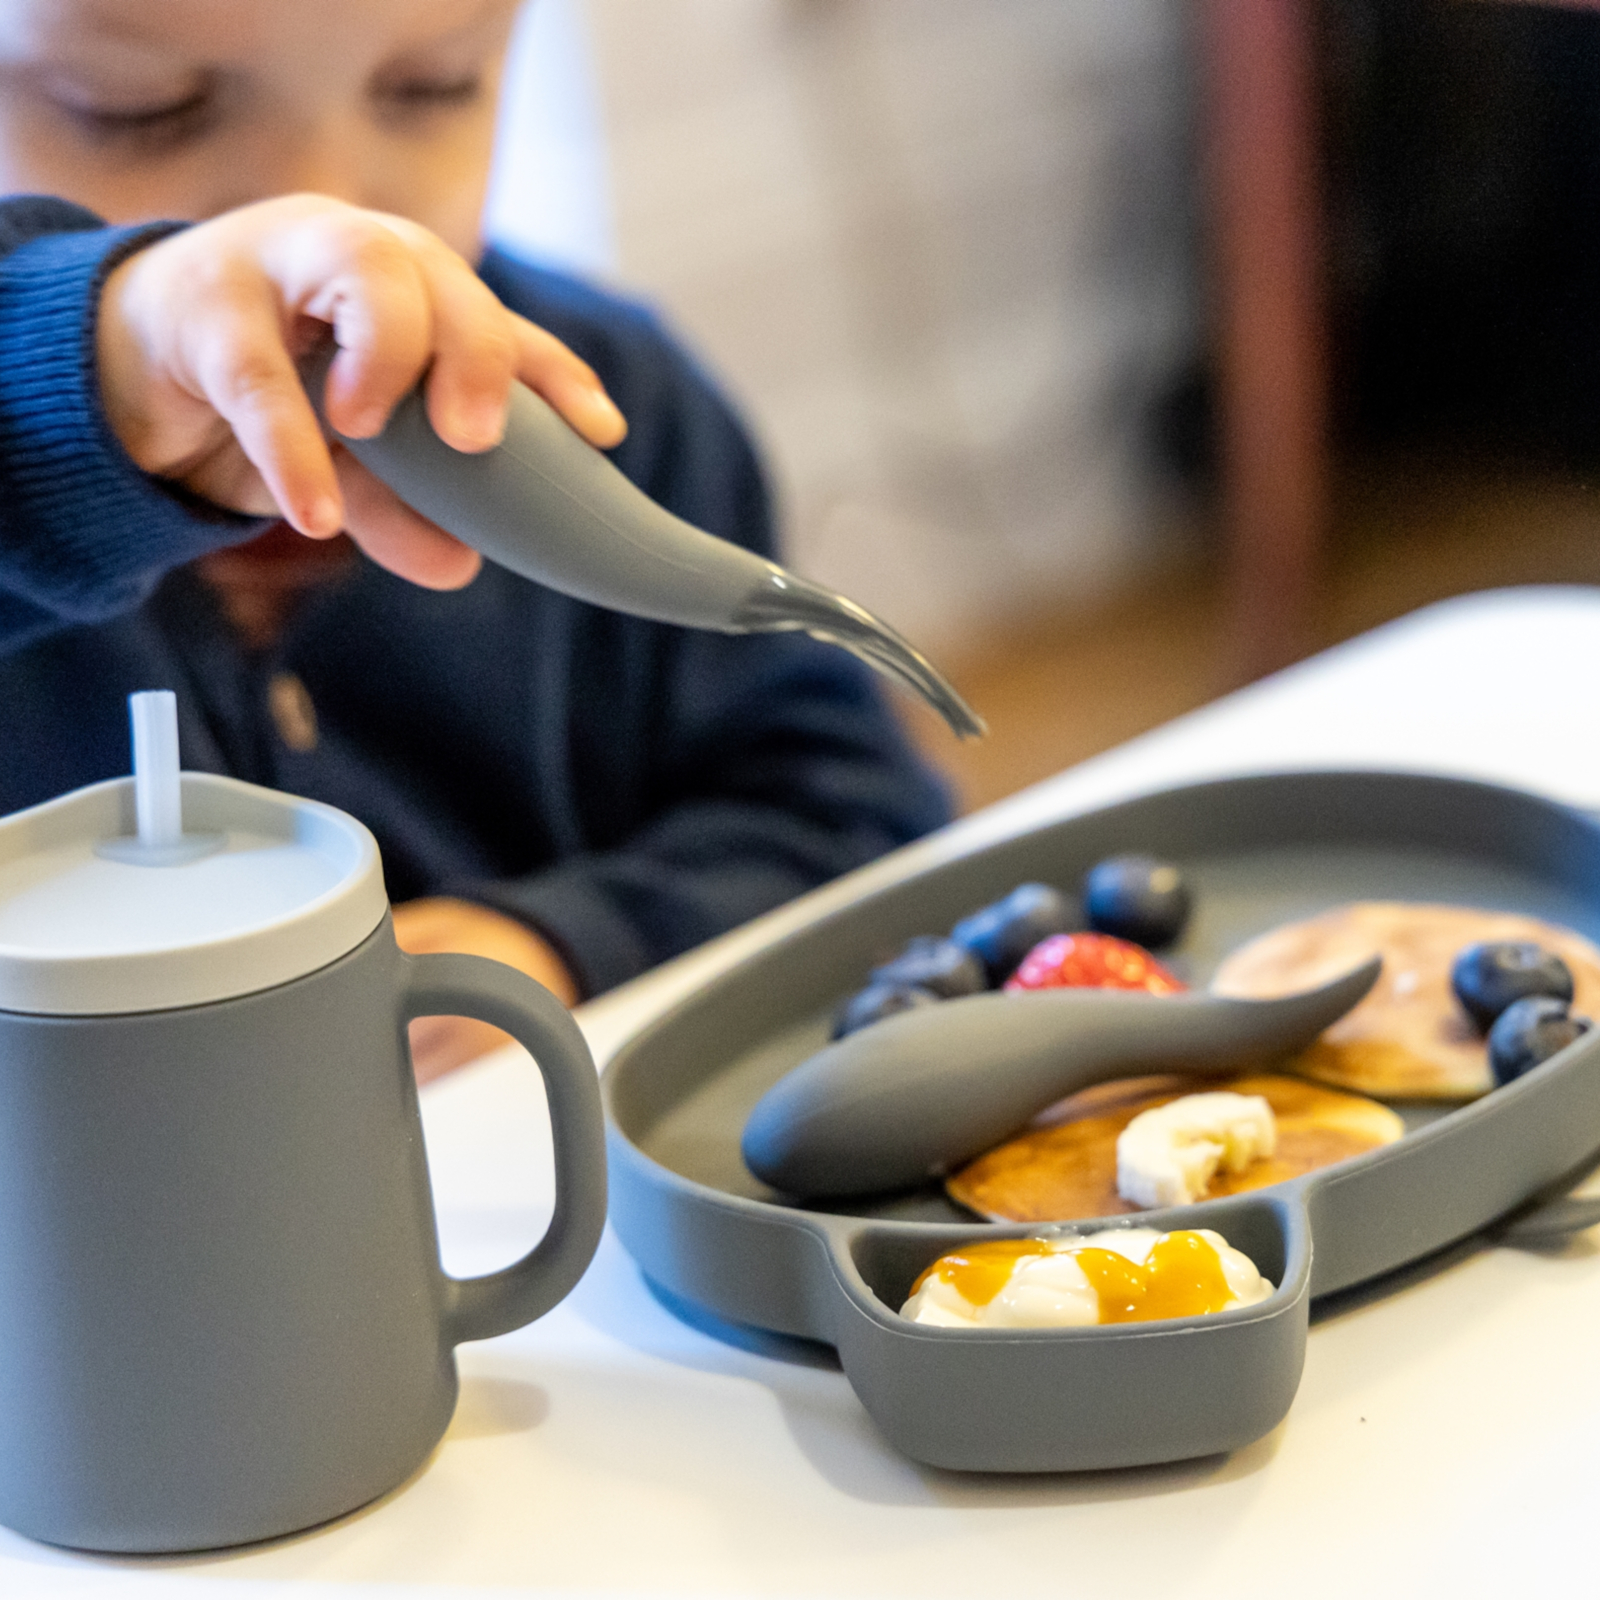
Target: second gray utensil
(920, 1093)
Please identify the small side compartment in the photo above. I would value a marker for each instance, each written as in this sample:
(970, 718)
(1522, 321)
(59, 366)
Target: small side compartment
(1077, 1399)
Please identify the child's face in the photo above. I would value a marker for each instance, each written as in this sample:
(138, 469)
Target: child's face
(184, 108)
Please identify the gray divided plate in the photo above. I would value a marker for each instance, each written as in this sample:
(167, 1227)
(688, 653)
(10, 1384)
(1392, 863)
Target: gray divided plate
(1259, 852)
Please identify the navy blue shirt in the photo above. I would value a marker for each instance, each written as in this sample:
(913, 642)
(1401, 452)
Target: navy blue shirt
(627, 788)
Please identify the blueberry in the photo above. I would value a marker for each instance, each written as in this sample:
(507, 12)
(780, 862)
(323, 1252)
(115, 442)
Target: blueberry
(877, 1001)
(1137, 898)
(942, 965)
(1002, 934)
(1488, 977)
(1530, 1031)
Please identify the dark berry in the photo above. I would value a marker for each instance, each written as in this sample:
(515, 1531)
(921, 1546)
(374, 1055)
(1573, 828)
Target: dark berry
(1137, 898)
(1488, 977)
(877, 1001)
(942, 965)
(1529, 1032)
(1002, 934)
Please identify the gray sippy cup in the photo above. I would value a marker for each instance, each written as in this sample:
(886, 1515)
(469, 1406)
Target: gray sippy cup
(222, 1312)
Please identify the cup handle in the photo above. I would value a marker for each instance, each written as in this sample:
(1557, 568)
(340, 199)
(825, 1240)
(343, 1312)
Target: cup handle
(470, 986)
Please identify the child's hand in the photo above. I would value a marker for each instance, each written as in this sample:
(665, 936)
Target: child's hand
(198, 338)
(441, 1044)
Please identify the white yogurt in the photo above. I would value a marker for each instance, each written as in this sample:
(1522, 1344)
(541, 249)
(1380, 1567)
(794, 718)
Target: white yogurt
(1051, 1290)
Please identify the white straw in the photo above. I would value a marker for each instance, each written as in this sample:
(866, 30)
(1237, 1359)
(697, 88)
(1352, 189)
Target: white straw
(157, 798)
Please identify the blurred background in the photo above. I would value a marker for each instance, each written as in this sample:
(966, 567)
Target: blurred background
(1118, 351)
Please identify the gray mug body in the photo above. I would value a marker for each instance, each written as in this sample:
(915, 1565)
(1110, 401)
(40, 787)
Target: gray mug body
(222, 1313)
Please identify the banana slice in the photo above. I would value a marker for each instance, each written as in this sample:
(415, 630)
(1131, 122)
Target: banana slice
(1168, 1156)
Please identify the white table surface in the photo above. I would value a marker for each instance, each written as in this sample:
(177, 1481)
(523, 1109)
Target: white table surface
(1446, 1438)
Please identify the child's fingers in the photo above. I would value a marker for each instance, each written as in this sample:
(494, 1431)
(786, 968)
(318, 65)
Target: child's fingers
(397, 537)
(569, 383)
(479, 347)
(351, 271)
(225, 475)
(401, 302)
(216, 315)
(474, 352)
(239, 363)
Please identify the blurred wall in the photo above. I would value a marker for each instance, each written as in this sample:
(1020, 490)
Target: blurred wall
(941, 252)
(550, 190)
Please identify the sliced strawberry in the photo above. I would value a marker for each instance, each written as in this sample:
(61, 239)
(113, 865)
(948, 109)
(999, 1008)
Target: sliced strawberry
(1091, 961)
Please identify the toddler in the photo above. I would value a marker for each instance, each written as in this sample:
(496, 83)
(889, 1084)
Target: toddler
(574, 792)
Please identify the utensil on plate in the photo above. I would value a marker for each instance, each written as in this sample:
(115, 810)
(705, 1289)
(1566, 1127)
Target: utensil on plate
(920, 1093)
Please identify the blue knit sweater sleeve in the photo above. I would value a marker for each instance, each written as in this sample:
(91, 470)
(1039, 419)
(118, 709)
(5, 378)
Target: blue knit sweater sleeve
(84, 534)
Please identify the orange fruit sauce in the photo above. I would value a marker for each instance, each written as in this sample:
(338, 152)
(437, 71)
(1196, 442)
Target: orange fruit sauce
(1181, 1277)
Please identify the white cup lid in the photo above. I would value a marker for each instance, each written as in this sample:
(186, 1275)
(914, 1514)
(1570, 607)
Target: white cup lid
(289, 886)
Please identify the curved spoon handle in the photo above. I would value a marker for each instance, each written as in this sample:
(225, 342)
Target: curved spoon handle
(920, 1093)
(550, 507)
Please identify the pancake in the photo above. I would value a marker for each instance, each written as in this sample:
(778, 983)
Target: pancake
(1409, 1039)
(1064, 1168)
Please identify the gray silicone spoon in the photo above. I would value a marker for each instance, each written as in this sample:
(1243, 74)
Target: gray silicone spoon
(920, 1093)
(552, 508)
